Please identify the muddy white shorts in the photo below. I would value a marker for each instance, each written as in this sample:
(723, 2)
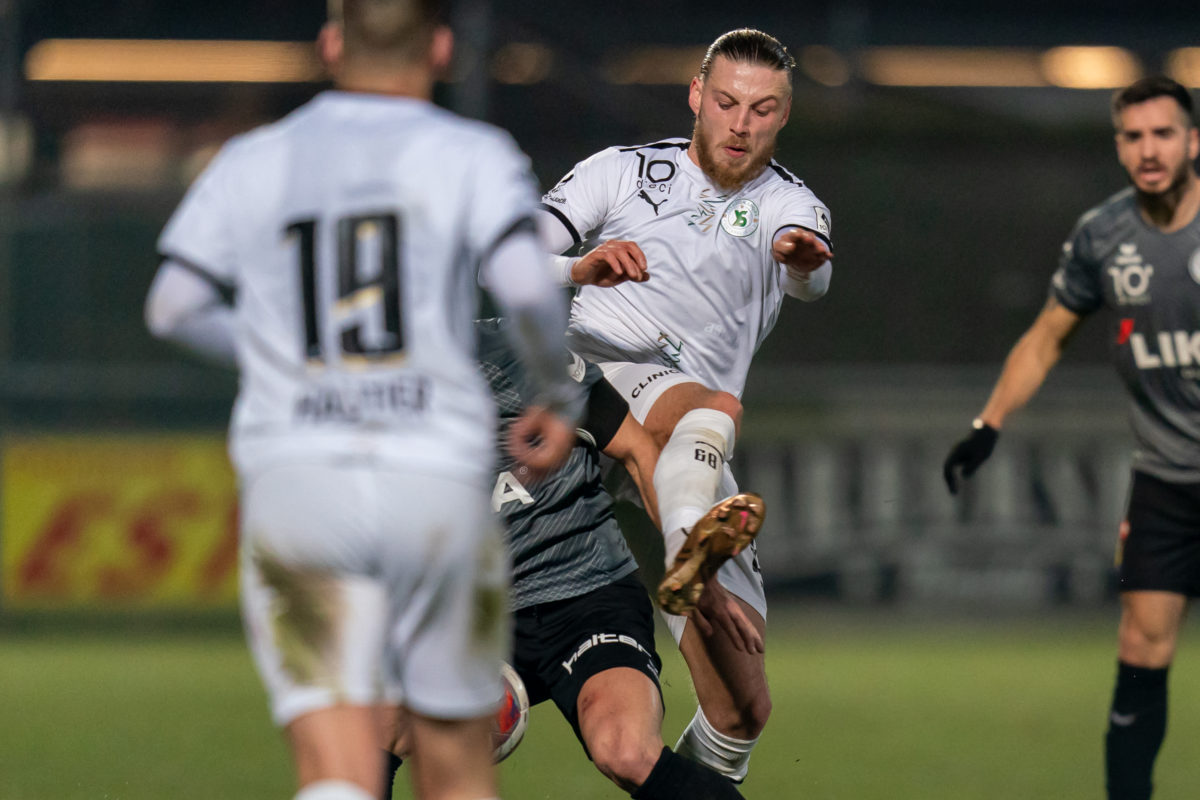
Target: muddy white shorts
(365, 585)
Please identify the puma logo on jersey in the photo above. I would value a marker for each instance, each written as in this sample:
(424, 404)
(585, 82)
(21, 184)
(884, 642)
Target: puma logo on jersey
(642, 194)
(1165, 349)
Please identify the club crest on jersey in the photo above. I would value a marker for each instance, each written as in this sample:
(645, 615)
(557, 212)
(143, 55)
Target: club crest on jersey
(740, 218)
(1194, 265)
(1130, 276)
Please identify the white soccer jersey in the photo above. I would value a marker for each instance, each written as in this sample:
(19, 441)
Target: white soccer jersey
(351, 232)
(714, 291)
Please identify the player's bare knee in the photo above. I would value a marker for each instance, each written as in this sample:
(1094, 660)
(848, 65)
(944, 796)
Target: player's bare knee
(625, 758)
(744, 720)
(1140, 646)
(727, 404)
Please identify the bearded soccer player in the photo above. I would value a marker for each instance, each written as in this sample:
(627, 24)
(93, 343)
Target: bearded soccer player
(1137, 254)
(336, 254)
(699, 242)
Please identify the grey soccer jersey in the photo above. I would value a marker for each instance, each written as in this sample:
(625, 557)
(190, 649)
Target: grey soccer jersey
(1151, 281)
(563, 538)
(714, 291)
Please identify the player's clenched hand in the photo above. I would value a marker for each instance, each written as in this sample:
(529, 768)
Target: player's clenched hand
(800, 251)
(610, 263)
(540, 441)
(717, 610)
(967, 455)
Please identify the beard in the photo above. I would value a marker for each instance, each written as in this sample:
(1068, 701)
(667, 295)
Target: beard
(732, 176)
(1167, 198)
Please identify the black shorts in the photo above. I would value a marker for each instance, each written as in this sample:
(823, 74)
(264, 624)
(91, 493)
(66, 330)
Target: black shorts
(1159, 546)
(559, 645)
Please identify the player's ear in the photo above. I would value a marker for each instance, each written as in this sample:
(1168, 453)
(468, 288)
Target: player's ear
(441, 50)
(694, 92)
(1193, 143)
(331, 47)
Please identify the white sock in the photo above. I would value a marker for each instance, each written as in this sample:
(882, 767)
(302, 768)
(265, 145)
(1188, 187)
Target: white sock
(688, 476)
(703, 743)
(334, 790)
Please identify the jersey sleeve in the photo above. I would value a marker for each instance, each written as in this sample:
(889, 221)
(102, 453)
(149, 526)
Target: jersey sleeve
(794, 204)
(503, 197)
(581, 201)
(1076, 282)
(199, 234)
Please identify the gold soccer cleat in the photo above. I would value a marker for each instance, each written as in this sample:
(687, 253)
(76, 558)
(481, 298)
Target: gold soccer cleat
(718, 536)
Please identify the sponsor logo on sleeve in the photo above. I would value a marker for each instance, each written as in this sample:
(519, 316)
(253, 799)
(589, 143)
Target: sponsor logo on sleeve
(823, 224)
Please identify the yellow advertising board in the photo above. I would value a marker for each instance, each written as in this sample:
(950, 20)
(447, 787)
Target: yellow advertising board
(118, 522)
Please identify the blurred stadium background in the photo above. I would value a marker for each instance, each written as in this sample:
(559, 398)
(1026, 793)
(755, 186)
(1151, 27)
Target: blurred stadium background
(955, 142)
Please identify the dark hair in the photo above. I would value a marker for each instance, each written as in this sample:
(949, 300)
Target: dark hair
(1149, 88)
(751, 46)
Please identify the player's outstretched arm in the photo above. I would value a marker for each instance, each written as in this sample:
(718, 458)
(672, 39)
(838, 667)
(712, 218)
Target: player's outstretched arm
(609, 264)
(807, 262)
(1025, 369)
(634, 447)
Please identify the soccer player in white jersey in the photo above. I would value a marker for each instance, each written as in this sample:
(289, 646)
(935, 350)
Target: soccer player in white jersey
(349, 238)
(699, 241)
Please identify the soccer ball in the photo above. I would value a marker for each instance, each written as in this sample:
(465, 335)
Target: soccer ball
(508, 726)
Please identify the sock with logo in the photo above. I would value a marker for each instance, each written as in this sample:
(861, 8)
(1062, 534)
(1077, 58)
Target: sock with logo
(688, 475)
(391, 765)
(1136, 727)
(726, 755)
(677, 778)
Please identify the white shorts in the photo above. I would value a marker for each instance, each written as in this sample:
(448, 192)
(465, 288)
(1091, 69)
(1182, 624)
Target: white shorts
(641, 385)
(364, 585)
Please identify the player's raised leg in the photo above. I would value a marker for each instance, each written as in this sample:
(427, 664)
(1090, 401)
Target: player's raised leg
(696, 428)
(723, 532)
(1147, 636)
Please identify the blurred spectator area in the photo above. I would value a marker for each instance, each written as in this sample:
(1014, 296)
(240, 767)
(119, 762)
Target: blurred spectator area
(955, 144)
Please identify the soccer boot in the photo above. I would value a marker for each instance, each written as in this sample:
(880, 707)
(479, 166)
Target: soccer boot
(722, 533)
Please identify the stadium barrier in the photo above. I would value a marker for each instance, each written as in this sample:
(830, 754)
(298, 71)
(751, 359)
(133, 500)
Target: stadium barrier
(857, 508)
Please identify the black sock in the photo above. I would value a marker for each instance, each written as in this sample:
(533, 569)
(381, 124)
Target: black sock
(389, 773)
(1136, 727)
(677, 778)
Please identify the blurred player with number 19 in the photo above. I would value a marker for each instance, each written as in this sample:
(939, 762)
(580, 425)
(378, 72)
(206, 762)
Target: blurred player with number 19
(336, 254)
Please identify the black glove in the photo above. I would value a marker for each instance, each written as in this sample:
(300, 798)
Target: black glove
(969, 454)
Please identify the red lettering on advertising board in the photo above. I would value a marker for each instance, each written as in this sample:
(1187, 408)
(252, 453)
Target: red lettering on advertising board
(223, 561)
(149, 543)
(42, 570)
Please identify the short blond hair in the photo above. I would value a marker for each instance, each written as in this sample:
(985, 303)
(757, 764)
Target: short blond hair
(401, 27)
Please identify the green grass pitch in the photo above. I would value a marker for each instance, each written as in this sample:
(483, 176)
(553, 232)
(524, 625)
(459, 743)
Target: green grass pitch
(866, 705)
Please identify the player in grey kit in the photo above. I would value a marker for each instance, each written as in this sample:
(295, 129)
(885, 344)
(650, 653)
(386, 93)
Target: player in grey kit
(584, 624)
(1137, 254)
